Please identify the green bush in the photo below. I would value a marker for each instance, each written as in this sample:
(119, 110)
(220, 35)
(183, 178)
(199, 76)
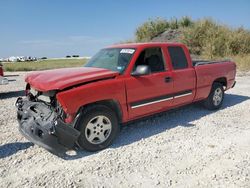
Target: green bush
(204, 37)
(185, 22)
(153, 27)
(239, 42)
(210, 39)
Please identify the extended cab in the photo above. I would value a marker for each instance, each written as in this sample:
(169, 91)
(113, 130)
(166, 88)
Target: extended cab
(86, 106)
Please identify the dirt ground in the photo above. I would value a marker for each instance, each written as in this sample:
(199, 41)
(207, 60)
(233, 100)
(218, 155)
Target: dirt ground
(187, 147)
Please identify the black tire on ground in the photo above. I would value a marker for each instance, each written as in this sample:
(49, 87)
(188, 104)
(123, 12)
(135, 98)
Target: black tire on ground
(210, 102)
(92, 124)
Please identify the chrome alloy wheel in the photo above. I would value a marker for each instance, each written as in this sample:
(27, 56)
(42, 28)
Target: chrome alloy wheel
(218, 95)
(98, 129)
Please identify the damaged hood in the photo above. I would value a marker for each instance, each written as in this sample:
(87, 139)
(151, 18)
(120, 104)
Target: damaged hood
(59, 79)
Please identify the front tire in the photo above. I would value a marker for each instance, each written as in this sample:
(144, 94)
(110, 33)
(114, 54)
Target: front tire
(215, 98)
(99, 126)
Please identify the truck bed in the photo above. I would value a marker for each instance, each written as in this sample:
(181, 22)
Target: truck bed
(208, 71)
(205, 62)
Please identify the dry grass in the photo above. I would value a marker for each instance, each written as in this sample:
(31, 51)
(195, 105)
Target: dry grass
(44, 64)
(242, 61)
(205, 38)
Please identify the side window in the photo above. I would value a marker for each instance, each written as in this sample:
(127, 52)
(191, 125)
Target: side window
(178, 57)
(153, 58)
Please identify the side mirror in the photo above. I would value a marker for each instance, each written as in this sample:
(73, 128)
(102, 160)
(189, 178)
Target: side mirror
(141, 70)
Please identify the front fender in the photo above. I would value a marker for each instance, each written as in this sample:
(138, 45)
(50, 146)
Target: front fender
(73, 99)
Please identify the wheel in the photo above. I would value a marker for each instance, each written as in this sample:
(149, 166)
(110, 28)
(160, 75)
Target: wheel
(215, 98)
(99, 126)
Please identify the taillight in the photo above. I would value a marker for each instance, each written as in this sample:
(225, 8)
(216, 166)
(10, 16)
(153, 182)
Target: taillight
(1, 70)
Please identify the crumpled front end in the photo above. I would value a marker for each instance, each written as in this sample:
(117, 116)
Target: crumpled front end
(40, 124)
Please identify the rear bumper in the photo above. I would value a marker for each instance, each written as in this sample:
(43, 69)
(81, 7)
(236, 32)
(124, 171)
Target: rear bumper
(45, 130)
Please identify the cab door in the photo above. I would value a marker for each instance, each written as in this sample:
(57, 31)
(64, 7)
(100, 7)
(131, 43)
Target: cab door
(150, 93)
(184, 77)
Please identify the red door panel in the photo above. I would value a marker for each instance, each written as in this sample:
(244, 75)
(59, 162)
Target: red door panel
(184, 86)
(148, 94)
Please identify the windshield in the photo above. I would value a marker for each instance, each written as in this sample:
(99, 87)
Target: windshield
(115, 59)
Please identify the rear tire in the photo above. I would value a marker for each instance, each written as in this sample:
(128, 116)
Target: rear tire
(99, 126)
(215, 98)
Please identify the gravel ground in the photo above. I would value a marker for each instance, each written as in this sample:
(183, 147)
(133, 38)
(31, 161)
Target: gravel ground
(187, 147)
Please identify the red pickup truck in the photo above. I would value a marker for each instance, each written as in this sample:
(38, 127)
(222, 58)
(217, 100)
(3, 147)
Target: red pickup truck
(3, 80)
(1, 69)
(86, 106)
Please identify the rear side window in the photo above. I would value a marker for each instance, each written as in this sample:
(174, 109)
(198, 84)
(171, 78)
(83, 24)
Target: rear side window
(178, 57)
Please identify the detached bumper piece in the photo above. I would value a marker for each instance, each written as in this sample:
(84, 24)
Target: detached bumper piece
(40, 125)
(3, 80)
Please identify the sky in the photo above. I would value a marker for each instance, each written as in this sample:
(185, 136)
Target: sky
(56, 28)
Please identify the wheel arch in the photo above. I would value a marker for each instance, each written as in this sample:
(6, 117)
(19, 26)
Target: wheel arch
(110, 103)
(221, 80)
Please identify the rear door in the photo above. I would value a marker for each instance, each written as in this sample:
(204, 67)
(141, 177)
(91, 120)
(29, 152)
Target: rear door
(184, 77)
(150, 93)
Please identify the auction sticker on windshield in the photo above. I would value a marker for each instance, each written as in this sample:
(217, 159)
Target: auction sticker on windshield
(127, 51)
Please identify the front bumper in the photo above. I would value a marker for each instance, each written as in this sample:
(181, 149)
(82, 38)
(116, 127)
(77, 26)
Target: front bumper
(39, 124)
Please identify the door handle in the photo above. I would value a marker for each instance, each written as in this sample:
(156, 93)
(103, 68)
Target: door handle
(168, 79)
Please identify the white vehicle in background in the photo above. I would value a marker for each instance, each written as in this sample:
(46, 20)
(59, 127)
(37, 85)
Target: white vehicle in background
(26, 58)
(21, 59)
(12, 59)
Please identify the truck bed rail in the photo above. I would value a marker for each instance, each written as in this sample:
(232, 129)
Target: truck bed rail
(205, 62)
